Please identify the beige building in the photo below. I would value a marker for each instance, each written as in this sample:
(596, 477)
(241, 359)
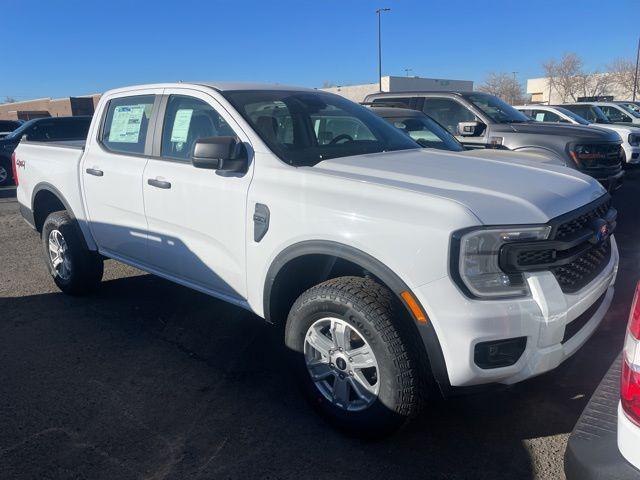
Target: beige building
(400, 84)
(47, 107)
(541, 92)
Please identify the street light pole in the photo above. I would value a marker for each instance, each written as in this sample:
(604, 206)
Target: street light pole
(379, 12)
(635, 78)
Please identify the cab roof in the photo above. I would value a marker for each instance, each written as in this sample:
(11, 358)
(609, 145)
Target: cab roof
(219, 86)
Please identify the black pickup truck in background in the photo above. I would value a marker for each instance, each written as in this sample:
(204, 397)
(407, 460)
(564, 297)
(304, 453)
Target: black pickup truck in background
(43, 130)
(8, 126)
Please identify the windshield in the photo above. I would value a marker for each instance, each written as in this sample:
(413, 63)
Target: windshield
(630, 110)
(427, 132)
(304, 128)
(496, 109)
(632, 106)
(573, 116)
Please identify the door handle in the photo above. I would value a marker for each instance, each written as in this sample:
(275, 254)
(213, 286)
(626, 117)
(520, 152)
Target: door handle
(154, 182)
(95, 172)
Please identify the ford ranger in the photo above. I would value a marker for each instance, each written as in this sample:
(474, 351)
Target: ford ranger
(391, 268)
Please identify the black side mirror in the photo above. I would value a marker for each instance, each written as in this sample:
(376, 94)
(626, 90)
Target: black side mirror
(220, 153)
(470, 129)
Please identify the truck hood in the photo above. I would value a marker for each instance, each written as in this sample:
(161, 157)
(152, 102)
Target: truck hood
(584, 132)
(506, 190)
(621, 129)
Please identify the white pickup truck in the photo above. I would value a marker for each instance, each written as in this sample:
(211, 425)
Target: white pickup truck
(387, 264)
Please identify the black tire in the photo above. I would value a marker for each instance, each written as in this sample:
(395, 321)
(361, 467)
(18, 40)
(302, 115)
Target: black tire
(6, 175)
(85, 268)
(371, 310)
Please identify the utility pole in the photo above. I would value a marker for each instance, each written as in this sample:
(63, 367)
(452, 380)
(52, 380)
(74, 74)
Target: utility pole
(635, 78)
(407, 70)
(513, 93)
(379, 12)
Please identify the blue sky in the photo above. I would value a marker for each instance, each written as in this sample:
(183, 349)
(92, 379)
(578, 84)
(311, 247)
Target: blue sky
(57, 48)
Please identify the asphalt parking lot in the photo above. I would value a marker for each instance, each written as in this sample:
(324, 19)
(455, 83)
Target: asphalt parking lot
(147, 379)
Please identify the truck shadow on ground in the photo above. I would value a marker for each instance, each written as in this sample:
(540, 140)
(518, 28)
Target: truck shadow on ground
(149, 379)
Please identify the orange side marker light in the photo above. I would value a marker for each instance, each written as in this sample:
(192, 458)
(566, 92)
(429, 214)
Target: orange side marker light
(414, 307)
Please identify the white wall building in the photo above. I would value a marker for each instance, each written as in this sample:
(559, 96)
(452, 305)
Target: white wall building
(540, 92)
(357, 93)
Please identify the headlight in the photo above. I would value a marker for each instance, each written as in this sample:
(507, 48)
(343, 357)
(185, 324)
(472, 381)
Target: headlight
(478, 260)
(634, 139)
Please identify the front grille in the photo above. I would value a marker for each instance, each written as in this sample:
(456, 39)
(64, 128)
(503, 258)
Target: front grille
(577, 274)
(570, 227)
(576, 252)
(612, 156)
(536, 257)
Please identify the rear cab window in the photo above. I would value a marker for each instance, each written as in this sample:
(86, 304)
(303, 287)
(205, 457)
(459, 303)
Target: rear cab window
(126, 124)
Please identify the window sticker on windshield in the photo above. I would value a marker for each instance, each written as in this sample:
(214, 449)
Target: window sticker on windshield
(181, 124)
(540, 117)
(126, 123)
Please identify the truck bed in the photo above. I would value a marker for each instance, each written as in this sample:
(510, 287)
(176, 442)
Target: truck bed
(53, 163)
(77, 144)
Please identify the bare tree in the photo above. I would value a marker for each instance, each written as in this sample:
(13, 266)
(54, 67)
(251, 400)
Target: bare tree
(8, 99)
(594, 84)
(622, 72)
(566, 76)
(328, 84)
(504, 86)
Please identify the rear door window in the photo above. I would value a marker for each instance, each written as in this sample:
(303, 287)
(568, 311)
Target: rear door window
(126, 124)
(546, 116)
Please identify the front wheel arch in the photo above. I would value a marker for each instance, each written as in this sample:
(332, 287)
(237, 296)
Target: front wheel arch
(325, 256)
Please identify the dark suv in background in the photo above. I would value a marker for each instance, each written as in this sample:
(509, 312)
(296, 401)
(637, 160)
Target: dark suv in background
(8, 126)
(479, 120)
(43, 130)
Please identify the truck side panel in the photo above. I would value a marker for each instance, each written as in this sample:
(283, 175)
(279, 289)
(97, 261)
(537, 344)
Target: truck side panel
(53, 168)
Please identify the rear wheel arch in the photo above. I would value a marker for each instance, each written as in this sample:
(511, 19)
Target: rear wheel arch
(47, 199)
(306, 264)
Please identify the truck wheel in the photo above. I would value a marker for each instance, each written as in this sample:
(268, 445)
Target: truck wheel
(75, 269)
(352, 357)
(5, 175)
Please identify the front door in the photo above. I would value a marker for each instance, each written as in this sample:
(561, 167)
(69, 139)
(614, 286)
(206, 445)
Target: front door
(196, 217)
(449, 113)
(112, 176)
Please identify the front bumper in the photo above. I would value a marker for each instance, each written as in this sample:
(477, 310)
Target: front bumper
(461, 323)
(612, 182)
(592, 451)
(632, 154)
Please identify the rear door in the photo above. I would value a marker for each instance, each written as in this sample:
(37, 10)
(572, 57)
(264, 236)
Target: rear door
(197, 217)
(112, 175)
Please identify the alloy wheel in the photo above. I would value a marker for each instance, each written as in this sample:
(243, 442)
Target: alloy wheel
(341, 363)
(59, 255)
